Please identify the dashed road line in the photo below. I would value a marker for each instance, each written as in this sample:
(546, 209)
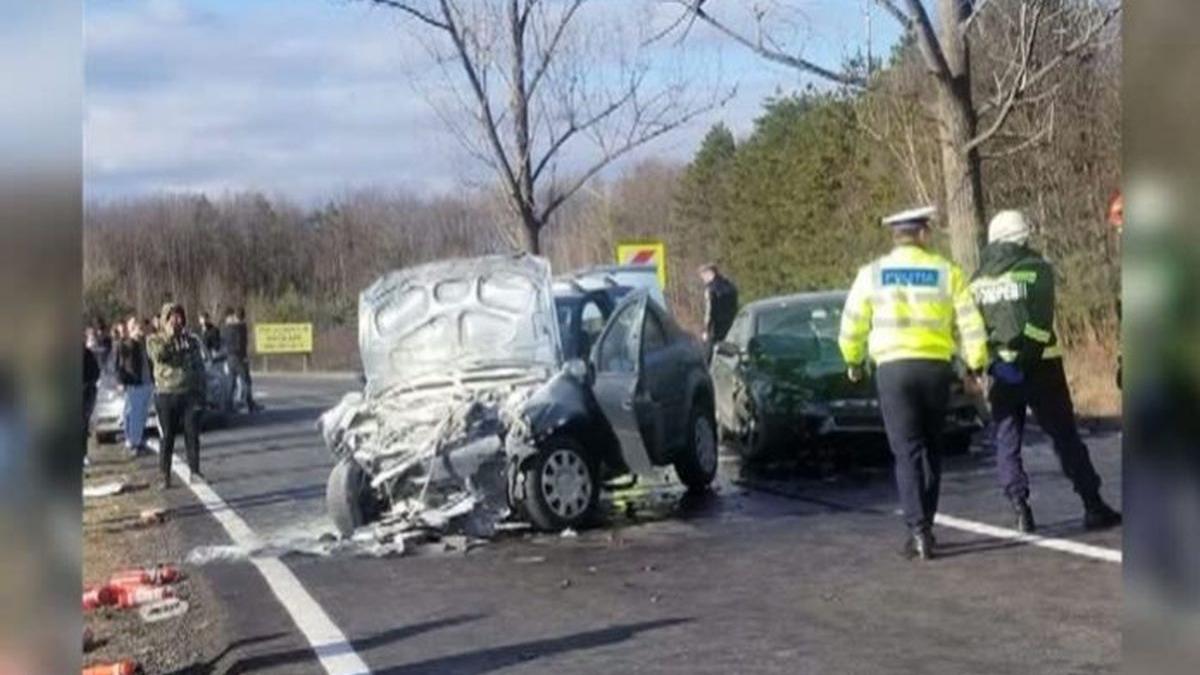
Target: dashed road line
(335, 653)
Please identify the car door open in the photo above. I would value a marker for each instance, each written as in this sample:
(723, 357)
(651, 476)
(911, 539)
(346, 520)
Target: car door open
(617, 386)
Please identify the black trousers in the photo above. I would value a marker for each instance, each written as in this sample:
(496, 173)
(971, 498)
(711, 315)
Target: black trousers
(240, 370)
(1045, 391)
(178, 412)
(913, 397)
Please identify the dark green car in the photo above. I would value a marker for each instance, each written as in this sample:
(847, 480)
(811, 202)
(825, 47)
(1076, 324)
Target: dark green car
(781, 383)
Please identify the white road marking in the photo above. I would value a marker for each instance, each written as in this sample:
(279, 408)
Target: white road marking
(333, 650)
(1052, 543)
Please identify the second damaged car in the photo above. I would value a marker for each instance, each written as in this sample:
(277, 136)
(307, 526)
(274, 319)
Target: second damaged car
(471, 415)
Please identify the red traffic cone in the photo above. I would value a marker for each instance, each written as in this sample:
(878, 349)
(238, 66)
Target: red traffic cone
(99, 596)
(147, 576)
(133, 596)
(120, 668)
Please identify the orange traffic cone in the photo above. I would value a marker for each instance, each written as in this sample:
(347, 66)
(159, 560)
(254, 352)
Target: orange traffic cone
(120, 668)
(147, 576)
(99, 596)
(133, 596)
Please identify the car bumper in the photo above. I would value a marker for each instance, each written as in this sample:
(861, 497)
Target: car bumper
(853, 417)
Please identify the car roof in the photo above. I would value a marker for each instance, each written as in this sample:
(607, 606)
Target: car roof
(814, 298)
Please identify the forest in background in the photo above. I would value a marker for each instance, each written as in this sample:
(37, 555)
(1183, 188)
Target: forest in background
(792, 206)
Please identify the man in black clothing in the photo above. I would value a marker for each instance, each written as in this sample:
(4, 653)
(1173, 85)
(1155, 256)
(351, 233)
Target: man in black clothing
(210, 335)
(91, 375)
(720, 305)
(235, 335)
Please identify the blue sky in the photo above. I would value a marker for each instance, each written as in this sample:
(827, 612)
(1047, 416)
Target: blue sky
(312, 98)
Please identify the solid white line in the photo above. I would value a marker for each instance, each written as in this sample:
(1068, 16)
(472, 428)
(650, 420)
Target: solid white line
(333, 650)
(1052, 543)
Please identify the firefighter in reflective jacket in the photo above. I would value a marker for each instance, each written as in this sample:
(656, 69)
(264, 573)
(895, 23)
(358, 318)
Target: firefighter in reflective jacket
(1014, 289)
(906, 311)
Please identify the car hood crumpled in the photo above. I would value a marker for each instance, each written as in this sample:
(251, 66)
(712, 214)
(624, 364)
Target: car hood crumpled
(451, 351)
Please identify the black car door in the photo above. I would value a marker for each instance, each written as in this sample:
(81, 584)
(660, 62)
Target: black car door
(664, 378)
(617, 386)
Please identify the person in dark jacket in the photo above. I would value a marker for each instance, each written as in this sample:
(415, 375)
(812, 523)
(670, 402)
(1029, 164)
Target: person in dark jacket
(1014, 288)
(720, 305)
(210, 335)
(235, 335)
(91, 376)
(133, 374)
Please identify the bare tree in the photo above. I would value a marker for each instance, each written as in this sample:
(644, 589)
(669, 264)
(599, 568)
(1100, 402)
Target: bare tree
(1046, 34)
(539, 85)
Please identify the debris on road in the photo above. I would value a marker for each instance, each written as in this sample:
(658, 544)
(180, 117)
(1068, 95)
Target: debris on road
(568, 533)
(161, 610)
(152, 517)
(103, 490)
(146, 576)
(529, 559)
(119, 668)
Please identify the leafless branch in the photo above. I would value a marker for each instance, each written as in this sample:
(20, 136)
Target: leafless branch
(898, 14)
(928, 42)
(634, 139)
(552, 46)
(407, 8)
(760, 47)
(976, 10)
(1024, 79)
(1044, 133)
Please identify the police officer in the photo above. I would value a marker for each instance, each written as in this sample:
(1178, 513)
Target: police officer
(903, 311)
(1014, 288)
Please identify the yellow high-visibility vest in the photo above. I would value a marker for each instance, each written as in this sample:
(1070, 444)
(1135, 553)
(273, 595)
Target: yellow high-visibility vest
(911, 304)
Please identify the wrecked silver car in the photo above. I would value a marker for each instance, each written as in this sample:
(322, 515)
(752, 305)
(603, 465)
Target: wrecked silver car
(470, 415)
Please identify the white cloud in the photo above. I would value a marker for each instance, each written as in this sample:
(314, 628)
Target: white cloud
(306, 98)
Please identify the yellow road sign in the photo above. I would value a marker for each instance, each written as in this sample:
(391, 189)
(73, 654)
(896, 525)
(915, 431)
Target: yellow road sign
(283, 338)
(645, 253)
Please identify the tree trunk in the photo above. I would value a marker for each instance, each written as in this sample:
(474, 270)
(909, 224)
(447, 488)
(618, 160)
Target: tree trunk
(958, 123)
(532, 231)
(961, 179)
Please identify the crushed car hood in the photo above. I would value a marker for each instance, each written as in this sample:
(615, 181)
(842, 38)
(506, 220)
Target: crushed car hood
(451, 353)
(427, 323)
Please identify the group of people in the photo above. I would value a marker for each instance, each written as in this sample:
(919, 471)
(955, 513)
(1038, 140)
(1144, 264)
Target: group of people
(910, 312)
(163, 360)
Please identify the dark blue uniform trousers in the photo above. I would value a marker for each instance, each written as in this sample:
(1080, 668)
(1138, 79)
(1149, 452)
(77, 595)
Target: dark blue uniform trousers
(1044, 390)
(913, 396)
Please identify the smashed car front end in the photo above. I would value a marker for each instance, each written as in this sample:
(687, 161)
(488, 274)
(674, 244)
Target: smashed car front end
(451, 351)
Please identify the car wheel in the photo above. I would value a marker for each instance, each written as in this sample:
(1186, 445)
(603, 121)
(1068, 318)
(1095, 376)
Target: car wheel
(956, 443)
(755, 445)
(347, 496)
(697, 466)
(562, 486)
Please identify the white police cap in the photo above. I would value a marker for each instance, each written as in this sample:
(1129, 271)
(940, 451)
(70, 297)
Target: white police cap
(911, 217)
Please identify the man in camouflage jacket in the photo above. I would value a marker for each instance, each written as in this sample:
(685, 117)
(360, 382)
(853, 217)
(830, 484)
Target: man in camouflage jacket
(179, 378)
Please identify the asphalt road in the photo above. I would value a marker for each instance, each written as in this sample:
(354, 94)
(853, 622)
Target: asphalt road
(779, 572)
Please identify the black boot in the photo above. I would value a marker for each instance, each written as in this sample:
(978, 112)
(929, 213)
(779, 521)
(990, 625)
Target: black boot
(919, 544)
(1024, 521)
(1098, 515)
